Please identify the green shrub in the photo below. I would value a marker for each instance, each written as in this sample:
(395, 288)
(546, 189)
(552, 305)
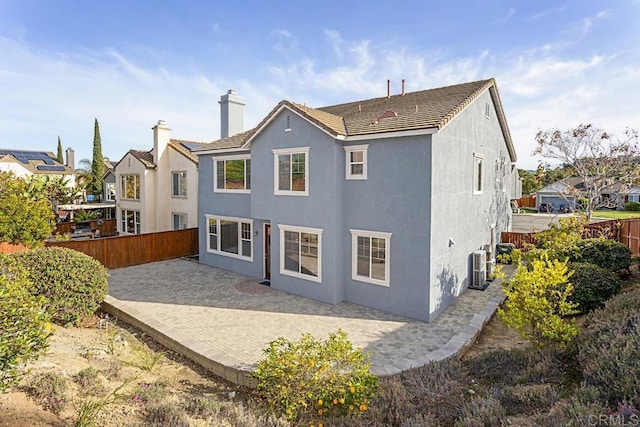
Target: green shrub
(609, 349)
(325, 377)
(24, 323)
(49, 389)
(592, 286)
(632, 206)
(538, 302)
(609, 254)
(73, 283)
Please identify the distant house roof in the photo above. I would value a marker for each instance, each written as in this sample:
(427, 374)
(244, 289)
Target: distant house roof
(37, 162)
(575, 184)
(422, 110)
(185, 148)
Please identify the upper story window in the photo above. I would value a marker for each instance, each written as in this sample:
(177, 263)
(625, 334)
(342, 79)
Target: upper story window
(477, 173)
(110, 192)
(291, 171)
(130, 187)
(356, 161)
(233, 174)
(179, 184)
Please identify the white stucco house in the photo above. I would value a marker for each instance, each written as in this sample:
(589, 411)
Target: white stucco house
(157, 190)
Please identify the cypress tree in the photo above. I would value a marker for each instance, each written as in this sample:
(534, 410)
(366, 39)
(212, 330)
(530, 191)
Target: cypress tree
(59, 156)
(97, 165)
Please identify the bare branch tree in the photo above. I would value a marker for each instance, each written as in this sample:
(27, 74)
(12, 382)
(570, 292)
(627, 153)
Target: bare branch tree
(605, 164)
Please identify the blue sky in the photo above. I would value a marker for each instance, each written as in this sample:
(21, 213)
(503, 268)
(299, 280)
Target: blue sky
(131, 63)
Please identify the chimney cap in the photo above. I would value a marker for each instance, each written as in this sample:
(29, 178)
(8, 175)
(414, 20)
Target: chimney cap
(162, 122)
(231, 92)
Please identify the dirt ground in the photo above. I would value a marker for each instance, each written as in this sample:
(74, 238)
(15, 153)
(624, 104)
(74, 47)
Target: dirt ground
(123, 359)
(118, 353)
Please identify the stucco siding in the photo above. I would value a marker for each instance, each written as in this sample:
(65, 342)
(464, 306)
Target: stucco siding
(227, 205)
(316, 210)
(393, 199)
(461, 220)
(129, 165)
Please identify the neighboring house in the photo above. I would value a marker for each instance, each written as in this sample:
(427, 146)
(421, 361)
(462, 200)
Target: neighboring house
(109, 181)
(26, 163)
(558, 196)
(380, 202)
(157, 190)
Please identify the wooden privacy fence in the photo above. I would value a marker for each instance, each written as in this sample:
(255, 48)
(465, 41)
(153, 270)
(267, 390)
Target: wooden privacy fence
(9, 248)
(527, 202)
(630, 235)
(124, 251)
(625, 231)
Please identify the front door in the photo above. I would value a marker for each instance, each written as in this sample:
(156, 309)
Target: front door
(267, 251)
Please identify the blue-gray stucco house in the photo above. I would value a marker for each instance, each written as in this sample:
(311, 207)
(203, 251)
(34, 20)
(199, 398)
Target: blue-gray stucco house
(380, 202)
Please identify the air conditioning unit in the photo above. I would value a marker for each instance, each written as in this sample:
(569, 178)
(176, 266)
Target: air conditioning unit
(491, 262)
(479, 269)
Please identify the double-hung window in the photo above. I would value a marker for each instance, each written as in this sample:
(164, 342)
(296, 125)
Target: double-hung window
(232, 174)
(230, 237)
(356, 161)
(370, 256)
(130, 187)
(291, 171)
(478, 173)
(179, 184)
(301, 252)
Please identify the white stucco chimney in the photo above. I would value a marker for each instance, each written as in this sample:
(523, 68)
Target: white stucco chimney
(71, 158)
(161, 137)
(231, 114)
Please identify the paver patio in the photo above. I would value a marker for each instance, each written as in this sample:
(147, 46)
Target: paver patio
(224, 320)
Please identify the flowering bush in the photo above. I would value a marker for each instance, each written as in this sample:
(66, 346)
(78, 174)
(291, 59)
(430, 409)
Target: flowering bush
(316, 377)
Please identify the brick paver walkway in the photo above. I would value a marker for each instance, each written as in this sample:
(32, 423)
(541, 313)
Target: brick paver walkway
(224, 320)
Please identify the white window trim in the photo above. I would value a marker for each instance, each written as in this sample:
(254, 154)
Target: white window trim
(137, 226)
(317, 231)
(179, 196)
(218, 218)
(282, 151)
(348, 150)
(136, 180)
(215, 173)
(480, 157)
(354, 256)
(108, 194)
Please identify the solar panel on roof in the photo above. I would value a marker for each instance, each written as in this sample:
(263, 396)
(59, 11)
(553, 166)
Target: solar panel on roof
(190, 145)
(52, 168)
(26, 156)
